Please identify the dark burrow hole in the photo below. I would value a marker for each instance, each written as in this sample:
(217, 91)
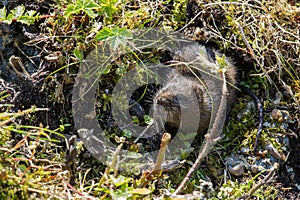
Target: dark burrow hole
(140, 104)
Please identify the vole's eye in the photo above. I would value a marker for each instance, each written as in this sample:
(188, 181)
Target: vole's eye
(182, 98)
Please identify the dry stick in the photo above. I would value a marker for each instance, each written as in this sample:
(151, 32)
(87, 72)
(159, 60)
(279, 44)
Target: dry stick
(251, 52)
(191, 21)
(143, 133)
(160, 158)
(161, 154)
(115, 160)
(210, 138)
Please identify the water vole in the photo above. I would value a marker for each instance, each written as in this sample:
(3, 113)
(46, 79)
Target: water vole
(185, 102)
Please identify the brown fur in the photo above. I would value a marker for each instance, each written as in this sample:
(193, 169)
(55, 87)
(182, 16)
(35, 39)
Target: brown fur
(195, 81)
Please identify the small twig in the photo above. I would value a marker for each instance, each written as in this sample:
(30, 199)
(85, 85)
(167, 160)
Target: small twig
(16, 44)
(191, 21)
(74, 189)
(210, 138)
(262, 182)
(246, 42)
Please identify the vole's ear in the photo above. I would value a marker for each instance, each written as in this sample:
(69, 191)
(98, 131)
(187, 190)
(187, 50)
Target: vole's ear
(210, 54)
(198, 90)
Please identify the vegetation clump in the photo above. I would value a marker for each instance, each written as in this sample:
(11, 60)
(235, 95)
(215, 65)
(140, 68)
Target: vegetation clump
(39, 158)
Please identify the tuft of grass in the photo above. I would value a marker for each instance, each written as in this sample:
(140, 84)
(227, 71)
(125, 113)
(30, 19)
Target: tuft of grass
(263, 33)
(31, 165)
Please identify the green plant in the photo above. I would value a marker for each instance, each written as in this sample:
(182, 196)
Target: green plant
(18, 14)
(91, 8)
(31, 162)
(179, 13)
(108, 8)
(88, 7)
(6, 125)
(116, 36)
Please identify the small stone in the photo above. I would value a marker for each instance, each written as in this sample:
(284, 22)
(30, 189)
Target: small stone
(245, 151)
(276, 114)
(281, 115)
(254, 169)
(273, 151)
(237, 170)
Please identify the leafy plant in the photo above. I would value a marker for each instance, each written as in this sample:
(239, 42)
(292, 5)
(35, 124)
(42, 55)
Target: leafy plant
(18, 14)
(83, 6)
(116, 36)
(108, 8)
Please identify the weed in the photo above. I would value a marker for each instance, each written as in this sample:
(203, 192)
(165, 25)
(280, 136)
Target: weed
(18, 14)
(31, 163)
(88, 7)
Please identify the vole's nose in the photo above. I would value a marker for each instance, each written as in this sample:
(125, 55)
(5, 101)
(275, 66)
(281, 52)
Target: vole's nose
(161, 100)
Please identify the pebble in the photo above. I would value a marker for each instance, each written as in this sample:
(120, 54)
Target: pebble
(282, 116)
(273, 151)
(245, 151)
(237, 170)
